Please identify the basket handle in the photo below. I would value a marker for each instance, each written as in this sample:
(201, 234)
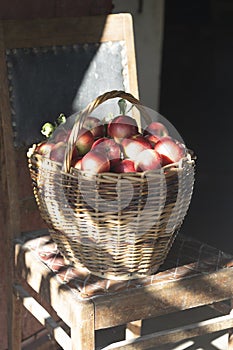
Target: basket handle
(90, 108)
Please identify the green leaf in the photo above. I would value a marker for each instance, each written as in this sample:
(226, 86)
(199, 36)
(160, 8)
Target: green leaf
(61, 119)
(47, 129)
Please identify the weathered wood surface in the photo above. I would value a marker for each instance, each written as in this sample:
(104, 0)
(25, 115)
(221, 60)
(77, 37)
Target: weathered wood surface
(78, 315)
(230, 332)
(37, 310)
(174, 335)
(153, 301)
(133, 329)
(9, 198)
(119, 302)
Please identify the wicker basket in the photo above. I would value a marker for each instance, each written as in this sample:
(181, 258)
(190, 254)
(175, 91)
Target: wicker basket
(119, 226)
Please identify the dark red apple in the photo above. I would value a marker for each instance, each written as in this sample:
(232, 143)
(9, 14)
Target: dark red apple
(75, 157)
(77, 163)
(61, 135)
(75, 154)
(109, 147)
(171, 151)
(44, 148)
(156, 128)
(58, 152)
(122, 127)
(95, 126)
(153, 139)
(132, 146)
(95, 162)
(84, 141)
(148, 159)
(124, 166)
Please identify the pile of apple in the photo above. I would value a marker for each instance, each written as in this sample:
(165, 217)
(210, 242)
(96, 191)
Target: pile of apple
(116, 147)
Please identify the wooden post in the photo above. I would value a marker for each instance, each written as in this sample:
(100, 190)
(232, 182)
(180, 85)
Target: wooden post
(9, 196)
(83, 328)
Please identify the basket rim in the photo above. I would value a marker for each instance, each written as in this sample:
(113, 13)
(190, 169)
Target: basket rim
(190, 158)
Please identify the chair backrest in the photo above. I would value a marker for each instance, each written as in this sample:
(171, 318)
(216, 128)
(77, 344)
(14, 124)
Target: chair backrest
(48, 67)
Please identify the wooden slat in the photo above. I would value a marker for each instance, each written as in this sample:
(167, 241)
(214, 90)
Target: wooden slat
(33, 33)
(164, 298)
(133, 329)
(132, 70)
(9, 198)
(221, 307)
(9, 194)
(41, 32)
(44, 318)
(174, 335)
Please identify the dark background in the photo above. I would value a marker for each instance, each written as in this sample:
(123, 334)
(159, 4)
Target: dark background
(197, 96)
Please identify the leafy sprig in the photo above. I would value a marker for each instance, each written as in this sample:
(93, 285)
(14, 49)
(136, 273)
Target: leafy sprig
(48, 128)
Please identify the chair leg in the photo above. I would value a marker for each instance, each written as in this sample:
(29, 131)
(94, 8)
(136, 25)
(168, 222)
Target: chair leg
(133, 329)
(14, 322)
(83, 329)
(230, 332)
(230, 339)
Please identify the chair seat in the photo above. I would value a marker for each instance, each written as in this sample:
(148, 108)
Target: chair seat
(194, 274)
(187, 258)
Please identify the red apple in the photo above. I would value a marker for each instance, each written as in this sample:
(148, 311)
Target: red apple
(61, 135)
(124, 166)
(75, 154)
(148, 159)
(132, 146)
(94, 125)
(121, 127)
(95, 162)
(58, 152)
(75, 157)
(153, 139)
(109, 147)
(84, 141)
(171, 151)
(156, 128)
(44, 148)
(77, 163)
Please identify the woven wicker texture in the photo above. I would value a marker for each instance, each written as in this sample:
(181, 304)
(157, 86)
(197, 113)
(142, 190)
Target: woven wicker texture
(119, 226)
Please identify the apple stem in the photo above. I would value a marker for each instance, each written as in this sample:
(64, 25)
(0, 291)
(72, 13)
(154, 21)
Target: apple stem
(122, 105)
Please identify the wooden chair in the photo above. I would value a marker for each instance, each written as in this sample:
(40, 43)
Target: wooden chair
(193, 275)
(70, 302)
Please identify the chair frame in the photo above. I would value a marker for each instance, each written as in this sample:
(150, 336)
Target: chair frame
(30, 34)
